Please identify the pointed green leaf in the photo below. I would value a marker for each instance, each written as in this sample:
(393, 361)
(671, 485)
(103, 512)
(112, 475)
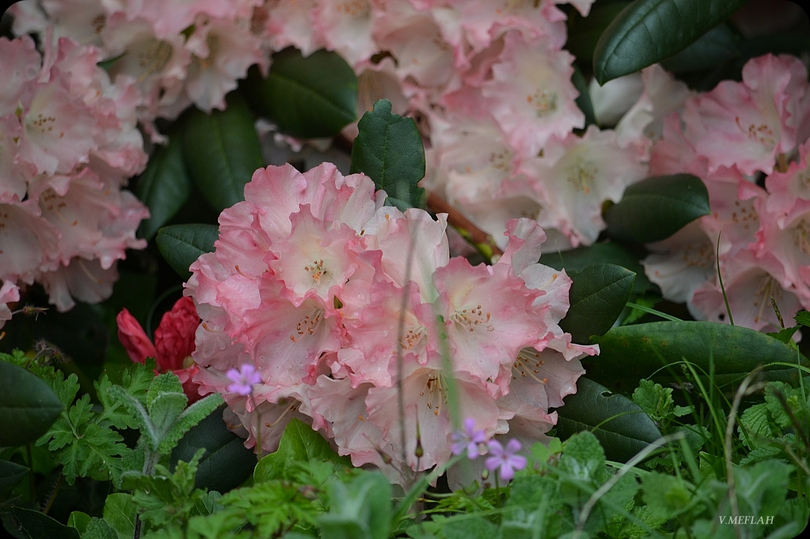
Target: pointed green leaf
(715, 47)
(655, 208)
(120, 512)
(164, 186)
(584, 32)
(226, 464)
(389, 150)
(181, 245)
(731, 352)
(306, 97)
(187, 419)
(649, 31)
(11, 474)
(221, 151)
(148, 431)
(36, 525)
(28, 407)
(299, 443)
(598, 296)
(619, 424)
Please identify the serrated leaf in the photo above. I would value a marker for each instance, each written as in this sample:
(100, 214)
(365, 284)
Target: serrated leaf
(299, 443)
(389, 150)
(306, 97)
(99, 529)
(11, 474)
(597, 297)
(620, 425)
(164, 186)
(37, 525)
(181, 245)
(226, 464)
(649, 31)
(187, 419)
(360, 509)
(149, 433)
(715, 47)
(803, 318)
(28, 407)
(164, 411)
(221, 151)
(167, 382)
(732, 352)
(654, 209)
(79, 520)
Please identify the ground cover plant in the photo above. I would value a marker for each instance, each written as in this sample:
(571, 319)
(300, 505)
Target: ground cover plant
(410, 268)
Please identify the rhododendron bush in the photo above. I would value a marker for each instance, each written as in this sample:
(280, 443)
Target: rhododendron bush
(455, 253)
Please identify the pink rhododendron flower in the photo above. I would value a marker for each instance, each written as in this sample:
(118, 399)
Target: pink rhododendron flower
(311, 284)
(173, 345)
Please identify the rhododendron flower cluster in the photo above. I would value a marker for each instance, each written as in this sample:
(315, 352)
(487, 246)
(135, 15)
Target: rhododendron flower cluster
(68, 143)
(322, 288)
(732, 137)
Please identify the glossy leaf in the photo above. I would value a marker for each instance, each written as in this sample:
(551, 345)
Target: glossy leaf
(598, 296)
(11, 474)
(28, 407)
(226, 464)
(655, 208)
(299, 443)
(731, 352)
(584, 32)
(609, 252)
(389, 150)
(584, 99)
(649, 31)
(717, 46)
(221, 151)
(620, 425)
(164, 186)
(306, 97)
(36, 525)
(181, 245)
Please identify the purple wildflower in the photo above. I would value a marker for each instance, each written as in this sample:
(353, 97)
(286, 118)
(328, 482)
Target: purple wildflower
(468, 440)
(505, 460)
(243, 379)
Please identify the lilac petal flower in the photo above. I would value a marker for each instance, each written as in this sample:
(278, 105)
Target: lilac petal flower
(504, 459)
(243, 379)
(468, 440)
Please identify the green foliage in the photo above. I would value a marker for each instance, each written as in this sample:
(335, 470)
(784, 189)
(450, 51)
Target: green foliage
(299, 443)
(618, 423)
(181, 245)
(221, 151)
(306, 97)
(654, 209)
(726, 352)
(598, 295)
(657, 402)
(36, 525)
(645, 32)
(389, 150)
(28, 407)
(165, 185)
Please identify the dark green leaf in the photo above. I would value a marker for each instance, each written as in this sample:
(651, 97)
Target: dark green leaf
(28, 407)
(37, 525)
(717, 46)
(649, 31)
(655, 208)
(584, 99)
(389, 150)
(598, 296)
(226, 464)
(621, 425)
(584, 32)
(306, 97)
(803, 318)
(164, 186)
(731, 352)
(11, 474)
(181, 245)
(221, 151)
(609, 252)
(299, 443)
(189, 418)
